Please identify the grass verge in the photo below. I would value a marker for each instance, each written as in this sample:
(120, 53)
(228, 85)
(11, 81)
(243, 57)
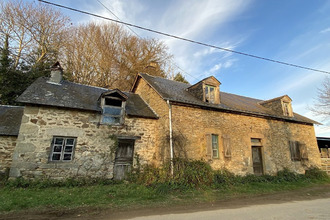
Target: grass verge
(129, 195)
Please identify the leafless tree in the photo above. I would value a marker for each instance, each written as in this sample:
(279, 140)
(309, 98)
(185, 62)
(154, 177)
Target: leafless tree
(322, 106)
(108, 56)
(35, 31)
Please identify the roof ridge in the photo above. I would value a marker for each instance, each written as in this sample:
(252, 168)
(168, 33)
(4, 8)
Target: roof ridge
(164, 78)
(270, 100)
(96, 87)
(241, 96)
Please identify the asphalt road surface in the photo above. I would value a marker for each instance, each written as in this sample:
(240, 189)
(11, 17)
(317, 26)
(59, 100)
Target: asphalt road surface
(312, 209)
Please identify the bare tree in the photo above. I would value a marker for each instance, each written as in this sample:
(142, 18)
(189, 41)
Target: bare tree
(108, 56)
(35, 31)
(322, 106)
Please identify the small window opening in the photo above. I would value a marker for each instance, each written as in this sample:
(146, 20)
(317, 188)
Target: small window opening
(113, 110)
(112, 102)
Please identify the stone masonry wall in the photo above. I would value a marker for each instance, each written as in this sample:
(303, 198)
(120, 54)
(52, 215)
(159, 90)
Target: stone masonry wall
(92, 156)
(190, 126)
(7, 145)
(195, 123)
(161, 132)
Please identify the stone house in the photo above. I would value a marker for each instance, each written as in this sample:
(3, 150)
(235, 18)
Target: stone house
(70, 130)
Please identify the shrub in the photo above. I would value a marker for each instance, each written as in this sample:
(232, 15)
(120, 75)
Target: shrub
(224, 177)
(186, 174)
(287, 176)
(45, 183)
(316, 173)
(192, 173)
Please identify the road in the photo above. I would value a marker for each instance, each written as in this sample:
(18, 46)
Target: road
(311, 209)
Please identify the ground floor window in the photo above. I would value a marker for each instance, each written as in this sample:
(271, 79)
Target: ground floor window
(62, 148)
(298, 151)
(215, 146)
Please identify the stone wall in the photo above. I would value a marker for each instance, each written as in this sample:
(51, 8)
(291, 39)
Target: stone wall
(7, 145)
(161, 132)
(92, 156)
(191, 125)
(195, 123)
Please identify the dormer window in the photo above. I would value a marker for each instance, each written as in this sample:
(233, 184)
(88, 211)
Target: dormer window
(207, 90)
(113, 108)
(209, 94)
(280, 105)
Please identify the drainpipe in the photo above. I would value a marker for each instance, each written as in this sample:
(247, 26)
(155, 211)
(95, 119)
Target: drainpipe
(171, 135)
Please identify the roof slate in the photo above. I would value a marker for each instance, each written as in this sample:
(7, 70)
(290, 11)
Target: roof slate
(177, 92)
(77, 96)
(10, 119)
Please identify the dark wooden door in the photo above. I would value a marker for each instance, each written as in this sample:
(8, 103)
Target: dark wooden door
(123, 159)
(257, 161)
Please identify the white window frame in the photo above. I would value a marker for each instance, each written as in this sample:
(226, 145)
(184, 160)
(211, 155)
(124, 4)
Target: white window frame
(215, 146)
(60, 149)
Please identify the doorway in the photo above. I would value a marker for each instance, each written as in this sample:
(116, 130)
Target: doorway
(258, 168)
(123, 159)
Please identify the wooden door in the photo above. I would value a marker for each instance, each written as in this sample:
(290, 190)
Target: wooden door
(123, 159)
(257, 160)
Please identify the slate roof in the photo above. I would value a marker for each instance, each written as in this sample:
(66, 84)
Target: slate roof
(177, 92)
(10, 119)
(78, 96)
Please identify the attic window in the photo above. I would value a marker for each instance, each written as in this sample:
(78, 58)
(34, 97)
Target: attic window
(286, 109)
(209, 94)
(113, 110)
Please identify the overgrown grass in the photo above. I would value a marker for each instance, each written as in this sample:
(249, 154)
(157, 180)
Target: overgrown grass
(193, 182)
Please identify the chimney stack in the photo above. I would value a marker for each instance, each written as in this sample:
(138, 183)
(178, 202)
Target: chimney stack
(56, 73)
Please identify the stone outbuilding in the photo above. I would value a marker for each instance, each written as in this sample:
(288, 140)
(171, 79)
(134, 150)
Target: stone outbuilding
(74, 130)
(10, 122)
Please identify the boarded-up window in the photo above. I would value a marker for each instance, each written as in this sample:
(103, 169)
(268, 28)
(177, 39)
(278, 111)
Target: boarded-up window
(208, 144)
(303, 151)
(295, 150)
(226, 147)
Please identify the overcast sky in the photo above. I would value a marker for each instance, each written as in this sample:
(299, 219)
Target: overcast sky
(293, 31)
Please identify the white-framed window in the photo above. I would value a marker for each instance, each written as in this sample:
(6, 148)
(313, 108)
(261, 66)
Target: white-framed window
(62, 148)
(215, 146)
(209, 94)
(113, 110)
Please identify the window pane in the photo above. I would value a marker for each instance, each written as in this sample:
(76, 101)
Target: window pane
(111, 111)
(214, 139)
(111, 120)
(56, 156)
(69, 141)
(59, 141)
(212, 96)
(112, 102)
(57, 148)
(68, 148)
(215, 153)
(67, 157)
